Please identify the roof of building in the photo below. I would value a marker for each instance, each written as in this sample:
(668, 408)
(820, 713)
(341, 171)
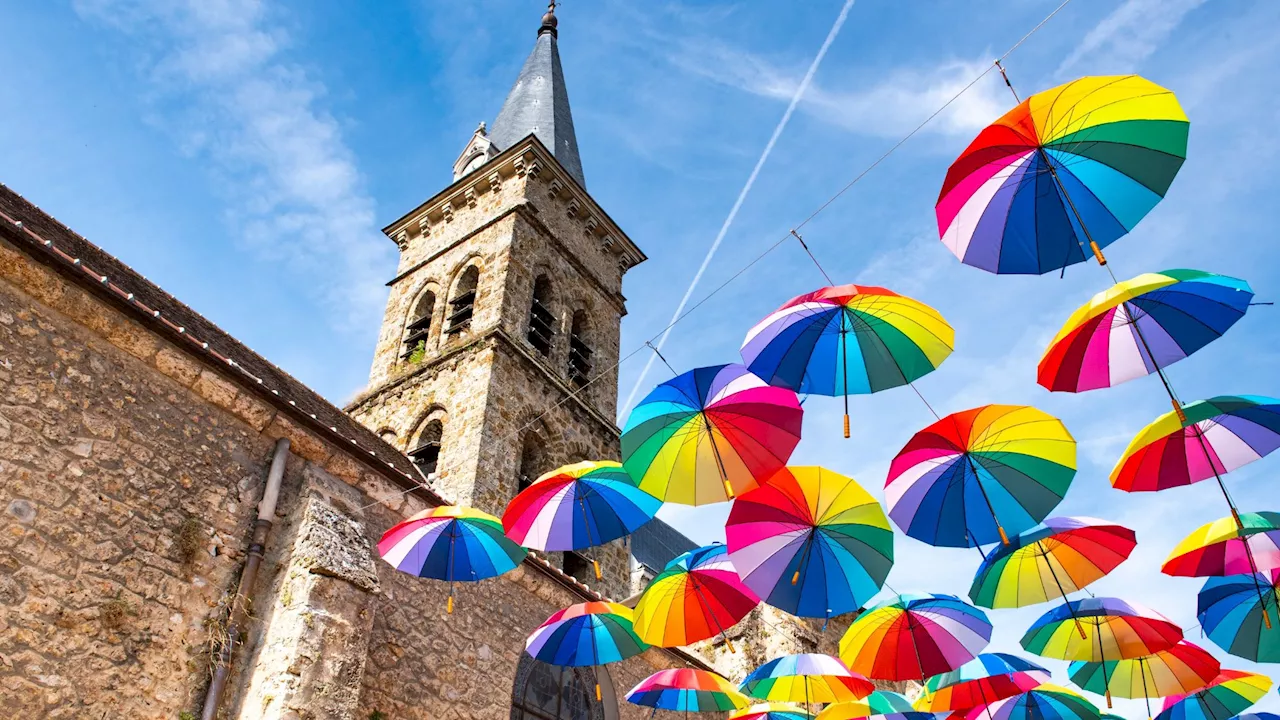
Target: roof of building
(538, 104)
(656, 543)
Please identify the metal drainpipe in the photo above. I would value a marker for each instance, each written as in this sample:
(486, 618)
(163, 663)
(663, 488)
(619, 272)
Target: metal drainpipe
(241, 602)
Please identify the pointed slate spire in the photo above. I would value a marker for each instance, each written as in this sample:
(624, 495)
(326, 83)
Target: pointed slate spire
(539, 103)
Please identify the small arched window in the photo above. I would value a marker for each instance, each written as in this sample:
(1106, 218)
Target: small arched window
(419, 331)
(426, 452)
(541, 320)
(463, 303)
(579, 351)
(550, 692)
(532, 461)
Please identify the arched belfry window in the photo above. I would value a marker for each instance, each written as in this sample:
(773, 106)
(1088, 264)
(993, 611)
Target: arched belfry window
(426, 451)
(579, 369)
(541, 319)
(532, 461)
(463, 303)
(418, 333)
(550, 692)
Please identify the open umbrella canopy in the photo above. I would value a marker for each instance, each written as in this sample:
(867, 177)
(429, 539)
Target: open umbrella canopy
(687, 689)
(771, 711)
(805, 678)
(1179, 670)
(590, 633)
(976, 476)
(1066, 172)
(1230, 694)
(1218, 435)
(1233, 611)
(879, 705)
(985, 679)
(913, 636)
(1229, 546)
(1046, 702)
(710, 434)
(578, 506)
(1100, 629)
(696, 597)
(1047, 562)
(1140, 325)
(811, 542)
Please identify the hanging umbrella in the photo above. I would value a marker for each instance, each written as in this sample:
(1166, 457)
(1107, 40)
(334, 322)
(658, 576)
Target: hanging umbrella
(1181, 669)
(1224, 548)
(687, 689)
(805, 678)
(1099, 630)
(710, 434)
(1258, 716)
(771, 711)
(810, 542)
(975, 476)
(848, 340)
(590, 633)
(1139, 326)
(1062, 175)
(985, 679)
(1046, 702)
(1234, 612)
(912, 636)
(879, 705)
(1230, 694)
(696, 597)
(450, 543)
(1048, 562)
(578, 506)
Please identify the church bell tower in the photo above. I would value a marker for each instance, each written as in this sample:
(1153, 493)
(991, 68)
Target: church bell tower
(497, 354)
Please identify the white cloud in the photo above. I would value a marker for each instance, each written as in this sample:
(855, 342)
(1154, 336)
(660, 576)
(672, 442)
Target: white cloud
(226, 91)
(1130, 34)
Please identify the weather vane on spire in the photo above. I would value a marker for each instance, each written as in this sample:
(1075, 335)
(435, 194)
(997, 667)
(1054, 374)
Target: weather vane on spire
(549, 20)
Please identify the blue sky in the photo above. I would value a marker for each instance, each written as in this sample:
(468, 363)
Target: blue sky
(244, 156)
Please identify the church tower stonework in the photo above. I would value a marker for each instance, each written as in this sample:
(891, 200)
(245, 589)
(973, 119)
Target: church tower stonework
(496, 360)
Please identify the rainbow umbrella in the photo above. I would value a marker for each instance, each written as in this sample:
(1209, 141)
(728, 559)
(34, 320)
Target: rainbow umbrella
(807, 678)
(1234, 612)
(696, 597)
(1046, 702)
(1230, 694)
(912, 636)
(848, 340)
(450, 543)
(771, 711)
(1181, 669)
(1258, 716)
(1061, 556)
(578, 506)
(1224, 547)
(687, 689)
(981, 681)
(710, 434)
(1065, 173)
(810, 542)
(1140, 326)
(974, 476)
(879, 705)
(590, 633)
(1099, 630)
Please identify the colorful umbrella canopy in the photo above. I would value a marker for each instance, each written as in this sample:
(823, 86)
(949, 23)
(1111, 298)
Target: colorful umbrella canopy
(450, 543)
(1258, 716)
(1229, 546)
(697, 596)
(811, 542)
(1218, 435)
(848, 340)
(710, 434)
(578, 506)
(1230, 694)
(805, 678)
(1139, 326)
(1046, 702)
(985, 679)
(1113, 630)
(1048, 562)
(975, 476)
(590, 633)
(879, 705)
(1181, 669)
(687, 689)
(912, 636)
(1068, 171)
(771, 711)
(1234, 612)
